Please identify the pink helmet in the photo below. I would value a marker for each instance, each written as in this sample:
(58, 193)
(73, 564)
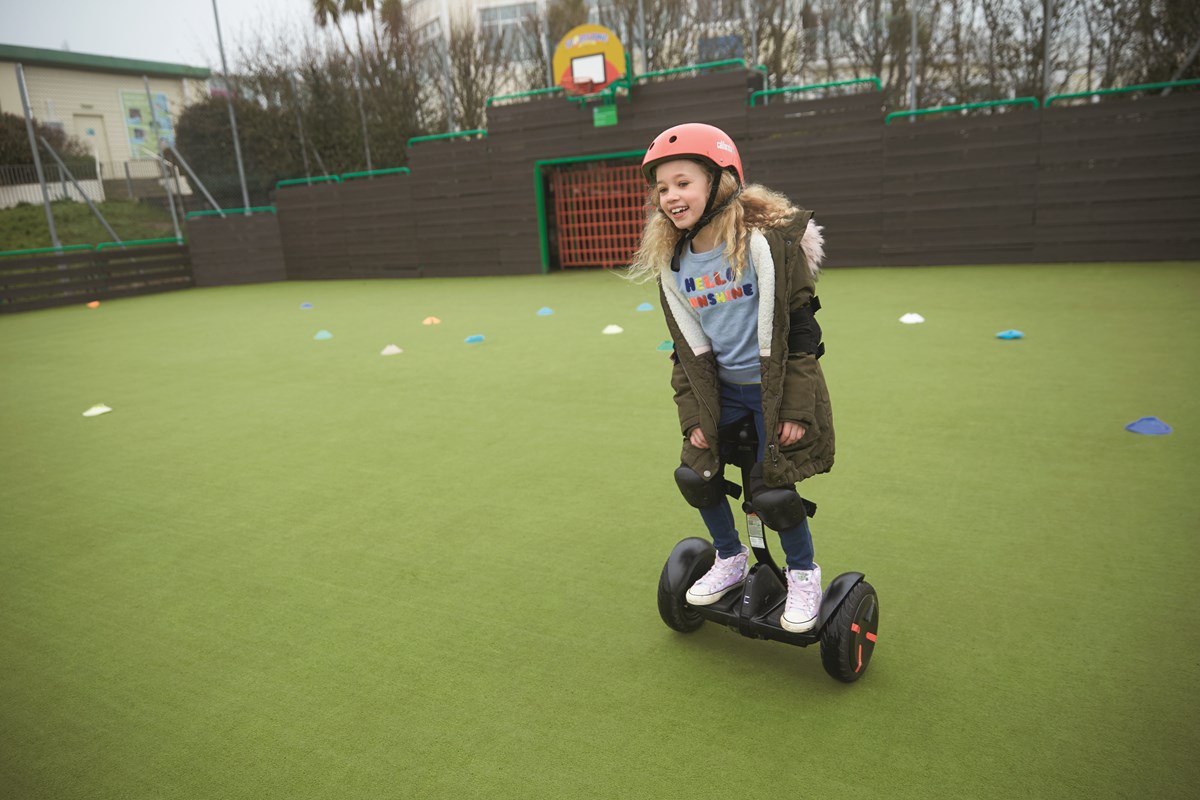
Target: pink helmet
(693, 140)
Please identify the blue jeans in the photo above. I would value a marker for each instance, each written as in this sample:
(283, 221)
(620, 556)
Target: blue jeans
(738, 400)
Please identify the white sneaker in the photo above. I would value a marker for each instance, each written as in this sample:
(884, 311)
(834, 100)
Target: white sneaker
(803, 600)
(725, 574)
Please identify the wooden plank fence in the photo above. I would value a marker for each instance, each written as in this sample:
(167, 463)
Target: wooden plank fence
(81, 276)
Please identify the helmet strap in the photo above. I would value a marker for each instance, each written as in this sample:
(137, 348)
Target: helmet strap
(707, 217)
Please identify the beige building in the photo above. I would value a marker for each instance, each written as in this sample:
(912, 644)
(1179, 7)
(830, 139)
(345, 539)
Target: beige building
(102, 101)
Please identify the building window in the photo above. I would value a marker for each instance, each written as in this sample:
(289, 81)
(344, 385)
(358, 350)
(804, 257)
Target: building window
(508, 23)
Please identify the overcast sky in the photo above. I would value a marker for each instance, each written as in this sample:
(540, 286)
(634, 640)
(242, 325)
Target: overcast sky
(175, 31)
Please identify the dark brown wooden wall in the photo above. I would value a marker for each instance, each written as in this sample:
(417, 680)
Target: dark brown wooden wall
(237, 249)
(1117, 180)
(77, 277)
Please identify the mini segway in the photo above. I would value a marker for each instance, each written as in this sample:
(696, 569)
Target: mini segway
(849, 617)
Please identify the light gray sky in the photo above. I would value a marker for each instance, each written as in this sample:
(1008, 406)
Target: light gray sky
(174, 31)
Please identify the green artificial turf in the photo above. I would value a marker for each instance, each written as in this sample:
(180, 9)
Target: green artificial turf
(293, 568)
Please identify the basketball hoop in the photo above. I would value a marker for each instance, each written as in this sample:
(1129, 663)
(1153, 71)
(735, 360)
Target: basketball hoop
(581, 88)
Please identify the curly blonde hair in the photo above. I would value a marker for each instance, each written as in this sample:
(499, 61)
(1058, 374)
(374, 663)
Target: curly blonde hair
(757, 207)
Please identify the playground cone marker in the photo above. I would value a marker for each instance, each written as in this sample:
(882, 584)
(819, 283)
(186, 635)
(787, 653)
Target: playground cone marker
(305, 306)
(613, 329)
(645, 307)
(390, 350)
(431, 321)
(474, 338)
(97, 410)
(666, 345)
(1010, 334)
(94, 304)
(545, 311)
(323, 335)
(912, 319)
(1149, 426)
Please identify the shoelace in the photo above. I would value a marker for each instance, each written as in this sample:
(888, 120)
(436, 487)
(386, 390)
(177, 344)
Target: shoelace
(721, 572)
(799, 592)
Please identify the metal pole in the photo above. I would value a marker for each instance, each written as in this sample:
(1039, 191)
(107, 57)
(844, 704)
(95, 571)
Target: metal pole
(450, 117)
(237, 147)
(37, 159)
(196, 180)
(128, 181)
(642, 35)
(178, 189)
(299, 124)
(1046, 48)
(1187, 62)
(63, 168)
(162, 172)
(362, 113)
(320, 163)
(549, 45)
(912, 58)
(753, 59)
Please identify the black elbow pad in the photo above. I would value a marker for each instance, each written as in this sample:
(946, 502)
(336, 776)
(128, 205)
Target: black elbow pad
(804, 332)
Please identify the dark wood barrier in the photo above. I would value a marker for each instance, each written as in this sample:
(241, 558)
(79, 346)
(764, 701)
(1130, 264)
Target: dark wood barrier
(1120, 180)
(237, 249)
(81, 276)
(310, 226)
(959, 190)
(826, 155)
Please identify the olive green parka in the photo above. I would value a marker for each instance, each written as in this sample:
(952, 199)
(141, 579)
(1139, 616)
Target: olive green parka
(785, 260)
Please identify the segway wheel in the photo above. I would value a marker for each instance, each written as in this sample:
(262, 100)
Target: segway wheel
(673, 609)
(848, 638)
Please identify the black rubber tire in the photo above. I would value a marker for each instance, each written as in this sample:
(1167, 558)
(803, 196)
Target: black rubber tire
(674, 610)
(848, 639)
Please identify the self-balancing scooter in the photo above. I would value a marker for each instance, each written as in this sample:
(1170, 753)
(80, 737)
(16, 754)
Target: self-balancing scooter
(849, 616)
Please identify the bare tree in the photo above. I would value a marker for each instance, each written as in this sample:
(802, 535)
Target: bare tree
(479, 66)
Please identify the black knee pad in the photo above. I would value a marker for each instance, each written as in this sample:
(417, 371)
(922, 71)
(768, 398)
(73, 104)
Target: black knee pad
(698, 492)
(781, 508)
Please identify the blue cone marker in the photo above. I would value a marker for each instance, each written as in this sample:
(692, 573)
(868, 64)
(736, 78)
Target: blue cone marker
(474, 339)
(545, 311)
(645, 307)
(1010, 334)
(323, 335)
(1149, 426)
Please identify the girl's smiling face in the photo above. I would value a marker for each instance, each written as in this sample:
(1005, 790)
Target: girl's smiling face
(682, 187)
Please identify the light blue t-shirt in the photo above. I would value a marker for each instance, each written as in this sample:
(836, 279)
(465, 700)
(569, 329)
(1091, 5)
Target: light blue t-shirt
(728, 311)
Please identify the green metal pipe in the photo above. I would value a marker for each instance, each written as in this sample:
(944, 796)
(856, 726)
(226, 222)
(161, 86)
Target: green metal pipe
(814, 87)
(211, 213)
(453, 135)
(963, 107)
(347, 176)
(306, 181)
(110, 245)
(39, 250)
(729, 62)
(1144, 87)
(535, 92)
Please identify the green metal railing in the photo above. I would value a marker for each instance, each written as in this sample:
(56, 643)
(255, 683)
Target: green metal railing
(225, 211)
(308, 181)
(729, 62)
(1144, 87)
(533, 93)
(454, 135)
(37, 251)
(349, 176)
(813, 87)
(138, 243)
(962, 107)
(540, 191)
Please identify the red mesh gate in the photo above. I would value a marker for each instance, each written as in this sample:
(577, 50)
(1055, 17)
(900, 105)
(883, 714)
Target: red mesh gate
(599, 214)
